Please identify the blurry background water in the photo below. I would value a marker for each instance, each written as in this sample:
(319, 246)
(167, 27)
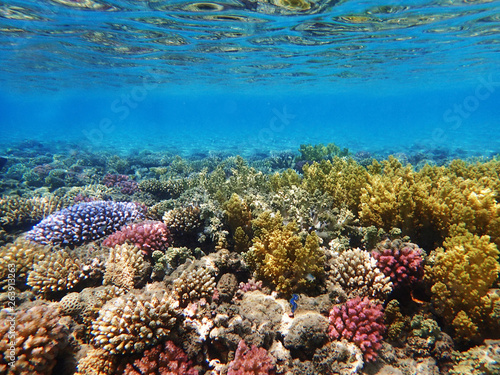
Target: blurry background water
(252, 76)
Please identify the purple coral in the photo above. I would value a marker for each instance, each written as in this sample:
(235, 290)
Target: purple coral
(84, 222)
(360, 321)
(148, 236)
(254, 361)
(163, 359)
(121, 181)
(401, 261)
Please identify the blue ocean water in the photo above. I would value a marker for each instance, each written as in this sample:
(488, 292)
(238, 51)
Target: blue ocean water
(252, 76)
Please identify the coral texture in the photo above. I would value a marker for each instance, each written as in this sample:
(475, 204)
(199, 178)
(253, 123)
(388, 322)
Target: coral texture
(360, 321)
(163, 359)
(84, 222)
(19, 256)
(148, 236)
(401, 261)
(278, 255)
(132, 323)
(124, 266)
(357, 272)
(60, 270)
(37, 340)
(97, 362)
(461, 275)
(183, 220)
(194, 284)
(24, 211)
(251, 361)
(122, 182)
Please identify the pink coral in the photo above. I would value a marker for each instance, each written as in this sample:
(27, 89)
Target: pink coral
(148, 236)
(401, 261)
(163, 359)
(254, 361)
(360, 321)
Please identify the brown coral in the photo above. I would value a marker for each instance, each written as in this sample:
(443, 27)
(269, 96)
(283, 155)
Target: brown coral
(32, 347)
(16, 211)
(19, 256)
(124, 266)
(194, 284)
(134, 322)
(61, 270)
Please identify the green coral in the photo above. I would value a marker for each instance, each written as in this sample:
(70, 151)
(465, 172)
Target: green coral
(279, 256)
(397, 324)
(166, 262)
(461, 275)
(341, 178)
(320, 152)
(425, 328)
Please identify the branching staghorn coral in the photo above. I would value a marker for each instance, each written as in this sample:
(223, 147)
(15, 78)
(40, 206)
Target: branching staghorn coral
(461, 275)
(279, 256)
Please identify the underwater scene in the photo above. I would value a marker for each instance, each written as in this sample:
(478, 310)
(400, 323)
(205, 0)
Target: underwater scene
(249, 187)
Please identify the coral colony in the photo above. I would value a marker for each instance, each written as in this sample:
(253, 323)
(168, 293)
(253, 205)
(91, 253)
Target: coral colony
(318, 262)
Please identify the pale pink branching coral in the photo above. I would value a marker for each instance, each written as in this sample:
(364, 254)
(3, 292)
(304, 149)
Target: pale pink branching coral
(360, 321)
(251, 361)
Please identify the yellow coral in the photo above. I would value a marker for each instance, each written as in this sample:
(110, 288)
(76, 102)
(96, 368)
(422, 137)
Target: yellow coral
(461, 277)
(279, 256)
(342, 178)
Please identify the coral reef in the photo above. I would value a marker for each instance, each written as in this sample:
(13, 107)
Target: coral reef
(251, 361)
(401, 261)
(32, 347)
(460, 275)
(148, 236)
(121, 182)
(133, 322)
(183, 221)
(124, 266)
(19, 256)
(360, 321)
(279, 257)
(194, 283)
(484, 359)
(162, 359)
(166, 262)
(338, 357)
(357, 272)
(97, 362)
(61, 270)
(84, 222)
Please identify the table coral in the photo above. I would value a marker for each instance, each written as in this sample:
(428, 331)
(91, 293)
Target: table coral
(134, 322)
(278, 255)
(461, 275)
(84, 222)
(163, 359)
(401, 261)
(251, 361)
(357, 272)
(360, 321)
(148, 236)
(39, 338)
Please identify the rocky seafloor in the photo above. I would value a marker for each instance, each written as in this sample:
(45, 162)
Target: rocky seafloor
(315, 261)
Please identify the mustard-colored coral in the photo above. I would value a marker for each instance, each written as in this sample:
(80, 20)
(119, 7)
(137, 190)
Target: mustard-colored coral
(461, 275)
(239, 217)
(279, 256)
(342, 178)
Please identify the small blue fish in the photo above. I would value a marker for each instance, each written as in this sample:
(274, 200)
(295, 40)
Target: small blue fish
(293, 302)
